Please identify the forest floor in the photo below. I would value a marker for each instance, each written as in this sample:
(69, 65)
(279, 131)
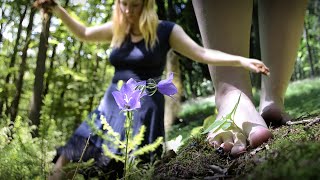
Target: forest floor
(292, 153)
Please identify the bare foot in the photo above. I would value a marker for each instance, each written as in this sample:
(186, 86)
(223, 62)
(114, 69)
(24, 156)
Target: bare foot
(251, 125)
(232, 141)
(273, 114)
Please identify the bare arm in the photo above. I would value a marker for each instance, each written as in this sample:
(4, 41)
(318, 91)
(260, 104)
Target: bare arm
(102, 33)
(183, 44)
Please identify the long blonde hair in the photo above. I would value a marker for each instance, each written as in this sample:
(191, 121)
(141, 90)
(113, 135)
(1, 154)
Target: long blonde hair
(148, 24)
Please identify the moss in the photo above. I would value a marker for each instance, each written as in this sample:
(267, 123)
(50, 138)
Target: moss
(293, 153)
(295, 161)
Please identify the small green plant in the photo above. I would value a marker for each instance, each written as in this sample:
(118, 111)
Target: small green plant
(24, 156)
(128, 100)
(225, 122)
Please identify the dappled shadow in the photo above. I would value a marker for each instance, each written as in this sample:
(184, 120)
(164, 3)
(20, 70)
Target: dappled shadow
(302, 98)
(306, 102)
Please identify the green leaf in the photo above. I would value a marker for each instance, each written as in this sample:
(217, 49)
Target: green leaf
(209, 120)
(214, 126)
(149, 147)
(111, 155)
(225, 122)
(233, 112)
(226, 125)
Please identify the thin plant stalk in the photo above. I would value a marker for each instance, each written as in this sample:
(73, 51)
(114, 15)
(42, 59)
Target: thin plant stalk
(129, 119)
(82, 154)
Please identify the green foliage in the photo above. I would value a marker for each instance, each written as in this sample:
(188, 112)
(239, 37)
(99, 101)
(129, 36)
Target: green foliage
(129, 150)
(292, 154)
(303, 98)
(25, 157)
(80, 73)
(225, 122)
(197, 108)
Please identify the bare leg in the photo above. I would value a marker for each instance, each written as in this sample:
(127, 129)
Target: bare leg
(225, 25)
(280, 25)
(58, 173)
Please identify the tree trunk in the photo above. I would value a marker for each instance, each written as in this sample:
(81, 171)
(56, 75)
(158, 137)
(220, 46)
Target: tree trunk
(15, 49)
(1, 25)
(161, 9)
(13, 58)
(173, 65)
(255, 45)
(91, 99)
(37, 97)
(19, 84)
(172, 106)
(309, 50)
(301, 72)
(48, 80)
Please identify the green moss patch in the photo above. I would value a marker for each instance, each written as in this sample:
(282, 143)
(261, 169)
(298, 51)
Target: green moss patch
(293, 153)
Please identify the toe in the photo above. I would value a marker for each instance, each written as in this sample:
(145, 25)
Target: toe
(214, 140)
(259, 135)
(227, 140)
(222, 140)
(239, 144)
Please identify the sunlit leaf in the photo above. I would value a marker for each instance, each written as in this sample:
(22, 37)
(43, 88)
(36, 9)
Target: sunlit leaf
(214, 126)
(226, 125)
(225, 122)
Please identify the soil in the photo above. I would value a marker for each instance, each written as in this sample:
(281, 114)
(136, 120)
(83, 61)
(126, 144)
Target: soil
(293, 153)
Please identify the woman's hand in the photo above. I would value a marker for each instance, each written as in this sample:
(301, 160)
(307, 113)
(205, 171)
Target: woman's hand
(45, 5)
(254, 65)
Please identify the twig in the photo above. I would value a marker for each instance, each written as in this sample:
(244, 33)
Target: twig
(299, 122)
(285, 134)
(316, 120)
(255, 151)
(218, 176)
(218, 169)
(84, 150)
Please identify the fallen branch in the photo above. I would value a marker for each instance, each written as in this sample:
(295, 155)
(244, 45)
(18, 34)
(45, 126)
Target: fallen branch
(317, 120)
(219, 177)
(298, 122)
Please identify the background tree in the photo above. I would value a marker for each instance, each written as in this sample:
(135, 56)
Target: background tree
(74, 75)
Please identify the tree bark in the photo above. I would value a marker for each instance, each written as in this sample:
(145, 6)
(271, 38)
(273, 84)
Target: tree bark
(172, 106)
(13, 58)
(309, 48)
(173, 65)
(19, 83)
(37, 97)
(91, 98)
(49, 76)
(161, 9)
(255, 45)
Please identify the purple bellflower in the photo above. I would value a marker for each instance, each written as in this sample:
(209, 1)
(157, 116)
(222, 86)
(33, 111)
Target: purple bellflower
(137, 86)
(128, 98)
(166, 86)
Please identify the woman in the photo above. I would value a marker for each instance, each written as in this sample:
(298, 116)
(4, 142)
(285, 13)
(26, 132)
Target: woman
(226, 25)
(140, 43)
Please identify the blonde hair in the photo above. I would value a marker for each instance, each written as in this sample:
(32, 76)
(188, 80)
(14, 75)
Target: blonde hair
(148, 24)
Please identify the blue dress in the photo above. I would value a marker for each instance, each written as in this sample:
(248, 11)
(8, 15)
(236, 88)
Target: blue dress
(131, 60)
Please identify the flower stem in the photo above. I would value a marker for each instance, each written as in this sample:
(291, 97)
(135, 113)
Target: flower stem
(127, 126)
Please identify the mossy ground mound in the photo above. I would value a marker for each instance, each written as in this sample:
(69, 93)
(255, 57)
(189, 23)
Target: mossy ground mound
(293, 153)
